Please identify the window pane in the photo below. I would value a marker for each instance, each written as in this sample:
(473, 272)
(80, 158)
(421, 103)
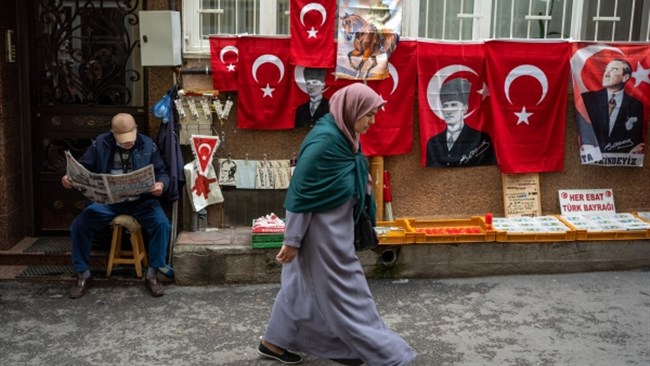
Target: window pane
(613, 30)
(239, 16)
(282, 24)
(521, 19)
(439, 19)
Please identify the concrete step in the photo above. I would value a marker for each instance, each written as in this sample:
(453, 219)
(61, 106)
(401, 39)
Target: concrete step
(226, 256)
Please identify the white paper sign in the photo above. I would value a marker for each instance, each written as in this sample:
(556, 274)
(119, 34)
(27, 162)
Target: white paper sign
(587, 202)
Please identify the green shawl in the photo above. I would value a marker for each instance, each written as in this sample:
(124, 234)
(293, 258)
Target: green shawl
(328, 173)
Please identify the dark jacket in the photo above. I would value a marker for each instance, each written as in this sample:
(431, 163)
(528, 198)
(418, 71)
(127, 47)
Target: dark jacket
(628, 128)
(472, 147)
(99, 158)
(303, 117)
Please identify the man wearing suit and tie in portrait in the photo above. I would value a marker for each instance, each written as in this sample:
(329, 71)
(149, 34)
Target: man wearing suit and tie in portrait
(458, 144)
(616, 117)
(308, 113)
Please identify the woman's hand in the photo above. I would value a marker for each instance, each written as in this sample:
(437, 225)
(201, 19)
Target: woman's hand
(287, 254)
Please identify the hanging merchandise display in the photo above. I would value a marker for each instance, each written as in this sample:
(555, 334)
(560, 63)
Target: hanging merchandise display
(203, 186)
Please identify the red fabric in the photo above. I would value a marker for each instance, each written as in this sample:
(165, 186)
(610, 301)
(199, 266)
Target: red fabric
(264, 83)
(312, 33)
(392, 133)
(588, 63)
(441, 62)
(204, 148)
(529, 122)
(224, 57)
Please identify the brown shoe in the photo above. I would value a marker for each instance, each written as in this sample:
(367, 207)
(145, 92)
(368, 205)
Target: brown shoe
(79, 288)
(154, 286)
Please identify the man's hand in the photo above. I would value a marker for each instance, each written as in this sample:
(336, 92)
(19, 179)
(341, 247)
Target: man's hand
(157, 189)
(65, 182)
(287, 254)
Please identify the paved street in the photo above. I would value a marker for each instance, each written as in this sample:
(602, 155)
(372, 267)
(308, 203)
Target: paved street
(586, 319)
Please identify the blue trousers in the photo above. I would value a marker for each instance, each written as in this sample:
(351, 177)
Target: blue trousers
(155, 226)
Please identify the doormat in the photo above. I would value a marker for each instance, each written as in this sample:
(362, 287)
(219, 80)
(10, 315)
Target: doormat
(51, 245)
(53, 270)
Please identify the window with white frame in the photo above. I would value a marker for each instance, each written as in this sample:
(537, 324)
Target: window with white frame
(204, 17)
(588, 20)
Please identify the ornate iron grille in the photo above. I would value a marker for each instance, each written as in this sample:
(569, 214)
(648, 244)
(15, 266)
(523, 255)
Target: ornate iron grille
(85, 53)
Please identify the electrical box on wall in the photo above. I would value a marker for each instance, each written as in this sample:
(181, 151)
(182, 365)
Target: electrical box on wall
(160, 38)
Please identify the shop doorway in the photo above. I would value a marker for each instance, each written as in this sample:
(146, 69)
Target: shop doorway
(84, 67)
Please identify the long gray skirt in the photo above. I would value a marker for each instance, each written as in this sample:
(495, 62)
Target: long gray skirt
(324, 306)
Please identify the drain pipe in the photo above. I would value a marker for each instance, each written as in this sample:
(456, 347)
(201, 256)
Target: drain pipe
(388, 256)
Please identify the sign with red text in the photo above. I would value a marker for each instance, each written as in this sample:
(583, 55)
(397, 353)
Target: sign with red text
(587, 202)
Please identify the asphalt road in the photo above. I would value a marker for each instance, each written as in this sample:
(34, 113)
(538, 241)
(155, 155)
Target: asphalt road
(585, 319)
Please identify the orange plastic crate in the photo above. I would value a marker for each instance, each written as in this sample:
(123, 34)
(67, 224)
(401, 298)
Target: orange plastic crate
(583, 234)
(397, 232)
(537, 236)
(487, 234)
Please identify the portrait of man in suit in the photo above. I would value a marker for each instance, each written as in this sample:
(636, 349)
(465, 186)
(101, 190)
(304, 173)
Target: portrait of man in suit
(616, 117)
(458, 144)
(308, 113)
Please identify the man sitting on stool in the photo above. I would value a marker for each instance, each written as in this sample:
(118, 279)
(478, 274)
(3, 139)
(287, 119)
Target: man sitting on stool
(121, 151)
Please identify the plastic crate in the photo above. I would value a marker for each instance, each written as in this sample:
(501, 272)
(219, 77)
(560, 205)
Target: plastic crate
(538, 236)
(397, 232)
(487, 234)
(586, 234)
(262, 241)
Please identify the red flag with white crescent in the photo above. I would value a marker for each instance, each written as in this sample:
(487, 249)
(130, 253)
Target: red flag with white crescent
(204, 148)
(312, 29)
(611, 88)
(528, 84)
(224, 57)
(452, 91)
(264, 83)
(392, 133)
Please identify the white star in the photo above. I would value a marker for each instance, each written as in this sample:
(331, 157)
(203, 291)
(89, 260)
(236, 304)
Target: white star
(268, 91)
(641, 75)
(485, 92)
(523, 116)
(312, 33)
(230, 67)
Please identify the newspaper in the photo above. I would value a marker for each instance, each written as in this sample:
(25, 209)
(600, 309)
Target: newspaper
(109, 188)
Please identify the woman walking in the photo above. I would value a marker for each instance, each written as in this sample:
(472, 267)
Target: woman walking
(324, 306)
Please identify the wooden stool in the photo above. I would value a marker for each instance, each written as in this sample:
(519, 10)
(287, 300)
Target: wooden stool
(137, 256)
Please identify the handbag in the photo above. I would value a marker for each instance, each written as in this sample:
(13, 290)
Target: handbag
(365, 236)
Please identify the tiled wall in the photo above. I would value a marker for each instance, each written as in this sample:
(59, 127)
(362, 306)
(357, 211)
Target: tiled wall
(12, 228)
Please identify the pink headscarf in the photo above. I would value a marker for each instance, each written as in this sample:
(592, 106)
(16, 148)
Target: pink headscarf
(347, 105)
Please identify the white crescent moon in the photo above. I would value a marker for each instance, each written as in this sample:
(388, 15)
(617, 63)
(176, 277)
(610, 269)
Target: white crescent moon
(228, 49)
(526, 70)
(579, 59)
(299, 77)
(393, 74)
(313, 6)
(271, 59)
(206, 145)
(436, 81)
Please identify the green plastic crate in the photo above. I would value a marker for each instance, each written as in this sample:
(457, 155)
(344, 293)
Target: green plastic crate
(263, 241)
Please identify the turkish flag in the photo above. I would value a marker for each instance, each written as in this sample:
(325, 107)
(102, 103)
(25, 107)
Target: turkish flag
(264, 83)
(528, 84)
(224, 57)
(611, 133)
(204, 147)
(312, 33)
(392, 133)
(441, 67)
